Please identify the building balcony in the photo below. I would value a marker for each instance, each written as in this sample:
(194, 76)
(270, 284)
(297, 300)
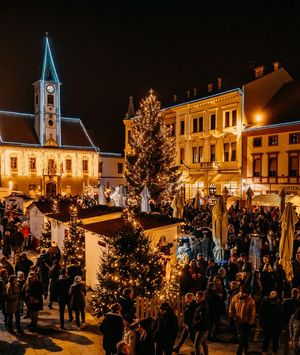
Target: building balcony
(209, 165)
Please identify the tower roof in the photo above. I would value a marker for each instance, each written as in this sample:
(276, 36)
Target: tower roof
(130, 112)
(48, 72)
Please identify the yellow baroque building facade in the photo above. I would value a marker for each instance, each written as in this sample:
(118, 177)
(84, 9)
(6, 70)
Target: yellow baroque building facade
(45, 153)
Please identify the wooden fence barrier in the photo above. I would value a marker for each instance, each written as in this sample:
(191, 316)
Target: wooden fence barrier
(149, 307)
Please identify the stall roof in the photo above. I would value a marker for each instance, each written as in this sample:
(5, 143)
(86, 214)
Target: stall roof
(110, 227)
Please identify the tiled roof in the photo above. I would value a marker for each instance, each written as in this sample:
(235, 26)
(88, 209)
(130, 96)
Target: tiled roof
(18, 128)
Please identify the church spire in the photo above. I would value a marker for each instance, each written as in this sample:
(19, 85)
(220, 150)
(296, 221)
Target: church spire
(48, 72)
(130, 112)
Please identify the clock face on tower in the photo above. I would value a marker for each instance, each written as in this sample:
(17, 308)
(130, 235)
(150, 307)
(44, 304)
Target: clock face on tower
(50, 89)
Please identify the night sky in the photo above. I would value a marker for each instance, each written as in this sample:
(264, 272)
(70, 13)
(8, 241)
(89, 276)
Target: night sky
(106, 53)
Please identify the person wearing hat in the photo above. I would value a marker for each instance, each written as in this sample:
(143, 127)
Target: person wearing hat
(130, 333)
(13, 303)
(165, 329)
(271, 318)
(243, 311)
(145, 343)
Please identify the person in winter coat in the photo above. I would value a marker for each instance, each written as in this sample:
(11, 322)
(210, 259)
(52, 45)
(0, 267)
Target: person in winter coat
(271, 319)
(34, 294)
(165, 329)
(43, 264)
(216, 307)
(127, 303)
(53, 277)
(112, 329)
(13, 303)
(267, 279)
(23, 264)
(296, 271)
(294, 328)
(190, 307)
(280, 279)
(145, 343)
(62, 287)
(201, 324)
(6, 249)
(77, 303)
(130, 333)
(242, 310)
(7, 265)
(3, 283)
(185, 281)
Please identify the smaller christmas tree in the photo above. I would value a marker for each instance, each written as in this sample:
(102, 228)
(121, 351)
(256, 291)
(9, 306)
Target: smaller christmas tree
(130, 262)
(74, 242)
(171, 287)
(45, 242)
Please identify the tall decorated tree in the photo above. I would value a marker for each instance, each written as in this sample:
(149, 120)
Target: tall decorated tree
(129, 261)
(74, 242)
(45, 242)
(151, 161)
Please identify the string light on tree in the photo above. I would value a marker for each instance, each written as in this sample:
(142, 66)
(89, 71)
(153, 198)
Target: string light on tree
(152, 157)
(128, 261)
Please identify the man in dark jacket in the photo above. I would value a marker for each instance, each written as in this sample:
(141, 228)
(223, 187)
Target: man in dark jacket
(201, 324)
(188, 321)
(127, 303)
(296, 271)
(165, 330)
(271, 320)
(62, 286)
(112, 328)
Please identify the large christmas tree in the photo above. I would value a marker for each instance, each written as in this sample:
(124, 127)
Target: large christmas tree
(74, 242)
(45, 242)
(129, 261)
(152, 157)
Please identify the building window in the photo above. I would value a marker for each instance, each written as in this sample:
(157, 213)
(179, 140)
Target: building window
(272, 165)
(200, 154)
(195, 154)
(293, 164)
(172, 129)
(36, 99)
(50, 99)
(257, 165)
(226, 151)
(213, 121)
(294, 138)
(212, 153)
(85, 166)
(200, 124)
(51, 166)
(234, 117)
(227, 119)
(120, 168)
(257, 142)
(273, 140)
(181, 127)
(195, 125)
(68, 164)
(233, 151)
(101, 167)
(14, 163)
(32, 163)
(181, 155)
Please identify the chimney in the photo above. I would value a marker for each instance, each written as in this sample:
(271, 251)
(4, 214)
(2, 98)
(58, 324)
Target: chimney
(219, 83)
(188, 94)
(259, 71)
(195, 91)
(175, 97)
(276, 66)
(210, 87)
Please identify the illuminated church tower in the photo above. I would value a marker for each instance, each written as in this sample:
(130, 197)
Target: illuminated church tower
(47, 102)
